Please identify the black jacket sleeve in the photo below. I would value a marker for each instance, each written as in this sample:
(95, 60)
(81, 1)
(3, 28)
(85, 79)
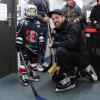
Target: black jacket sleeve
(38, 18)
(56, 44)
(93, 14)
(71, 38)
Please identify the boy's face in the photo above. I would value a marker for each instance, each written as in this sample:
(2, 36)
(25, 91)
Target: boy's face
(31, 12)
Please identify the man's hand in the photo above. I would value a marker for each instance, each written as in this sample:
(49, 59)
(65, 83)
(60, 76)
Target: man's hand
(58, 69)
(50, 45)
(76, 20)
(46, 19)
(95, 22)
(54, 45)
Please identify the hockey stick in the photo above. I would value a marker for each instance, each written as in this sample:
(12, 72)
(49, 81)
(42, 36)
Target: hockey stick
(37, 96)
(52, 63)
(51, 56)
(31, 50)
(49, 31)
(52, 68)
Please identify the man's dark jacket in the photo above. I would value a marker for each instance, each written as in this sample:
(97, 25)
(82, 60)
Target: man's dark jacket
(95, 13)
(42, 6)
(70, 37)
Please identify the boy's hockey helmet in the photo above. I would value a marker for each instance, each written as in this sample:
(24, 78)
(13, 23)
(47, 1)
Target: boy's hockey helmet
(31, 6)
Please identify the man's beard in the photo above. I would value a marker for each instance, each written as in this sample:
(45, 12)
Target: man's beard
(99, 4)
(57, 24)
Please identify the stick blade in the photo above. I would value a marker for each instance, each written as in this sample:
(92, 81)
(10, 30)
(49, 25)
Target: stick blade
(47, 68)
(40, 98)
(52, 69)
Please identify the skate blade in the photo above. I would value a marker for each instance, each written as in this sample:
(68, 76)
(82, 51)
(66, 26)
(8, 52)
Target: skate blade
(32, 79)
(61, 90)
(95, 78)
(24, 84)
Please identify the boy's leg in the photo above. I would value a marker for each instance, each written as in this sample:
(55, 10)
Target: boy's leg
(24, 79)
(40, 61)
(33, 70)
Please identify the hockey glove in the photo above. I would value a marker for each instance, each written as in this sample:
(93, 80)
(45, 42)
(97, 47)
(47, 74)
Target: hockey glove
(19, 43)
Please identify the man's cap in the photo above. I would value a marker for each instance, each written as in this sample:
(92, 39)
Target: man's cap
(55, 11)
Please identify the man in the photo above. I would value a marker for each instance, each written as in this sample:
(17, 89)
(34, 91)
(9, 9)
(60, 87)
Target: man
(95, 16)
(72, 11)
(70, 51)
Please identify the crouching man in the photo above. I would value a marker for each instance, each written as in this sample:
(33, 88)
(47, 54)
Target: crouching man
(70, 52)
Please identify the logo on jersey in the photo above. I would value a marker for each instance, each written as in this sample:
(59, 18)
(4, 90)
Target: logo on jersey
(31, 36)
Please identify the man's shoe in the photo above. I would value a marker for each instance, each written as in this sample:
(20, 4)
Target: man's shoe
(90, 73)
(34, 76)
(65, 84)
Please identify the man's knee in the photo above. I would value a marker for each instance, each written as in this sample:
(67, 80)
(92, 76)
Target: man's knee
(61, 51)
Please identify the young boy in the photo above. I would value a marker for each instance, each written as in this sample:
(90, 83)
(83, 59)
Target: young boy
(28, 42)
